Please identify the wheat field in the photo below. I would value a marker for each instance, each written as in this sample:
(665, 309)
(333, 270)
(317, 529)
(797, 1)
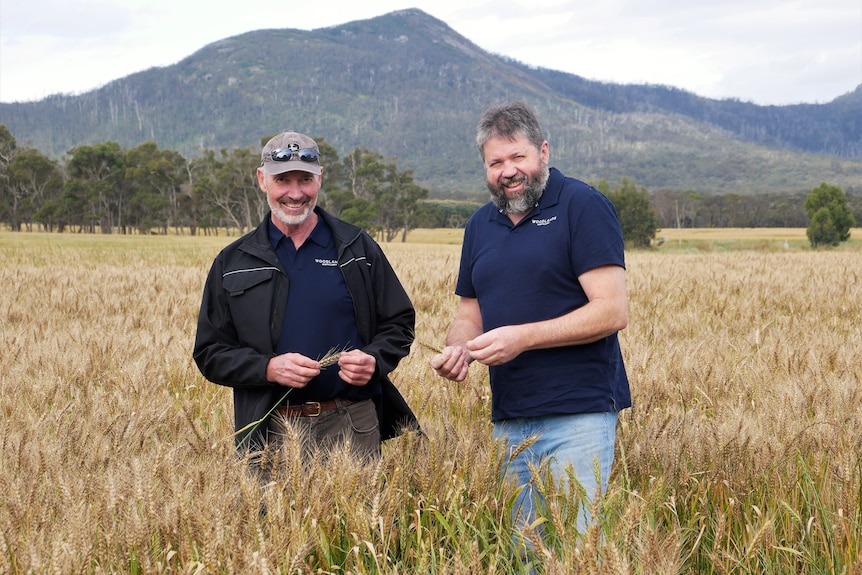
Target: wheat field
(740, 456)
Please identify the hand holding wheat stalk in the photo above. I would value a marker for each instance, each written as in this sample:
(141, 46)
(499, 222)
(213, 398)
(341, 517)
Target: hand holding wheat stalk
(330, 358)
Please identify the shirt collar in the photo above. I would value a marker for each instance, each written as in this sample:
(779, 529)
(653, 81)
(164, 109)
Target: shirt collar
(321, 235)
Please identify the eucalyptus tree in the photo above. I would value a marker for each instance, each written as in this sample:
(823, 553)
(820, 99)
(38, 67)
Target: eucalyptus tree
(377, 196)
(158, 179)
(364, 172)
(225, 189)
(398, 202)
(95, 186)
(830, 215)
(35, 184)
(638, 219)
(8, 149)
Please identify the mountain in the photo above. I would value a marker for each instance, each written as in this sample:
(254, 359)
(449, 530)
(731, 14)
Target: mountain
(407, 86)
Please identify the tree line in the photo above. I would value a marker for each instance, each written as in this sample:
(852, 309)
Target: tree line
(103, 188)
(107, 189)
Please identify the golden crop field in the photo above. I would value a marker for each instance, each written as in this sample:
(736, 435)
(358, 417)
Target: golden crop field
(742, 454)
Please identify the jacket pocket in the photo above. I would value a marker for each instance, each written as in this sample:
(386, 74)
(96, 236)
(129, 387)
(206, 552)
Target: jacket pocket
(237, 282)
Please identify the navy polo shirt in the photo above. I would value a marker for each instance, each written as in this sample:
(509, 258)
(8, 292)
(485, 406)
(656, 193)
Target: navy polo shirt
(529, 272)
(319, 314)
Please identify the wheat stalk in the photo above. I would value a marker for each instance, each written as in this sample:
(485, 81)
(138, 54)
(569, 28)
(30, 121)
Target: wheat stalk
(429, 346)
(331, 357)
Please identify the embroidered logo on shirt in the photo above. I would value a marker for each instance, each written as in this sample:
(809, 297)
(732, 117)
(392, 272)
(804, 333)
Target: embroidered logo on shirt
(544, 222)
(326, 263)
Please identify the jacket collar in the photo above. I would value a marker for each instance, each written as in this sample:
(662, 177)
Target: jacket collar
(257, 242)
(344, 233)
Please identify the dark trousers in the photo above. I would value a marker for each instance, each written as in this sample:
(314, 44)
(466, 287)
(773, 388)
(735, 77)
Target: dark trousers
(353, 427)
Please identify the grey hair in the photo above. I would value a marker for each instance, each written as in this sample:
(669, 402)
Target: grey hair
(509, 121)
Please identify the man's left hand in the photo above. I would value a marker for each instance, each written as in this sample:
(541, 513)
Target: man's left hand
(356, 367)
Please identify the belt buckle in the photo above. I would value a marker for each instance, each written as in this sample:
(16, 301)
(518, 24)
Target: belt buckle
(311, 405)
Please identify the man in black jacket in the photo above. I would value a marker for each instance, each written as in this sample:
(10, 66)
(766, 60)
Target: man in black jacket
(280, 299)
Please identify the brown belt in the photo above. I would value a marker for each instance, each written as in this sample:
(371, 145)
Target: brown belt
(311, 408)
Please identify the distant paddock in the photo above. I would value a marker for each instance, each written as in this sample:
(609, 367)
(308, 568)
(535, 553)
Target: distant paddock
(735, 237)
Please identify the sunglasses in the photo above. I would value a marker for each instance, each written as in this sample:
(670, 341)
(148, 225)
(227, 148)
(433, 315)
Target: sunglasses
(309, 155)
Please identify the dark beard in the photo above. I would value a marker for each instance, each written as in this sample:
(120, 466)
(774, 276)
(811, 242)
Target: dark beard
(534, 187)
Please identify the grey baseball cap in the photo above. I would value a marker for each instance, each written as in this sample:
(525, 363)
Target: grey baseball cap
(289, 151)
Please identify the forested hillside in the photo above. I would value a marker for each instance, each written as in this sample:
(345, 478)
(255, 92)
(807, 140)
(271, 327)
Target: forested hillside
(408, 87)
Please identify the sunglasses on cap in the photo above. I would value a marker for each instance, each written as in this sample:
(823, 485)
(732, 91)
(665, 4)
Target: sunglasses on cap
(309, 155)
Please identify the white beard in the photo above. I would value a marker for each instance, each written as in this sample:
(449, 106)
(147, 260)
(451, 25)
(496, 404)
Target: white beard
(290, 220)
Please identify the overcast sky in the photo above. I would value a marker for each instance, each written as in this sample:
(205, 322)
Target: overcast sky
(762, 51)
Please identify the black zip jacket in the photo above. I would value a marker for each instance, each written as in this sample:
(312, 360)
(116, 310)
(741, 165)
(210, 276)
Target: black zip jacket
(241, 316)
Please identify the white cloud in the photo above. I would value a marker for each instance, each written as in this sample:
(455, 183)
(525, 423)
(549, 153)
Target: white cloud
(768, 51)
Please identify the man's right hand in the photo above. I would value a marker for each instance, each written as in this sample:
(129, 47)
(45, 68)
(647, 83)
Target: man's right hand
(292, 370)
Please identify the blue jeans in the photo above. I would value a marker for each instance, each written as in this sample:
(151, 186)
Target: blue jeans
(579, 442)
